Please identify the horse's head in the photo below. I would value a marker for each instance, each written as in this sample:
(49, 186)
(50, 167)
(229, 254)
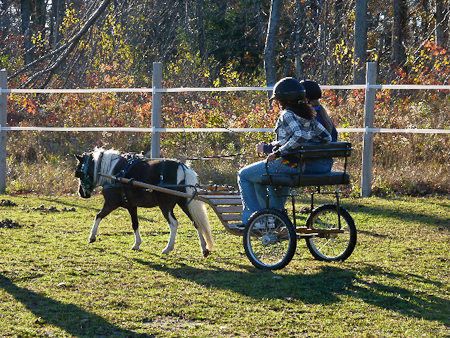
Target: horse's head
(85, 172)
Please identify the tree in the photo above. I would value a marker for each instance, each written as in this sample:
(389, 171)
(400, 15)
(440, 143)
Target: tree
(60, 54)
(441, 23)
(271, 43)
(25, 7)
(360, 42)
(399, 32)
(4, 24)
(57, 14)
(298, 39)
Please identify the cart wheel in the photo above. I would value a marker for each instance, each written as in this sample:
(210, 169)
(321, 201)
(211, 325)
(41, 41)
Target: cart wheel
(331, 246)
(270, 239)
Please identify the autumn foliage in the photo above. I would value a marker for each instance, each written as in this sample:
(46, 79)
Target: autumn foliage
(406, 163)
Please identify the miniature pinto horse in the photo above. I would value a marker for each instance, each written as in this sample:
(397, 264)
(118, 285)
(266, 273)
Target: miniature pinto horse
(170, 173)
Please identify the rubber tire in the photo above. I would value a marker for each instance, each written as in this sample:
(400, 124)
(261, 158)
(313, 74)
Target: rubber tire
(274, 254)
(342, 245)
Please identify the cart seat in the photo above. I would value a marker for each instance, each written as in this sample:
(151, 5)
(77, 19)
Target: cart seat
(311, 150)
(305, 180)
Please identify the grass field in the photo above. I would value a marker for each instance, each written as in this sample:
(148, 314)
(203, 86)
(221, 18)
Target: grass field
(53, 283)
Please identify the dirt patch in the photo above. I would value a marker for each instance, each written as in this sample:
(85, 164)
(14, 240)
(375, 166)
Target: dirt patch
(10, 224)
(7, 203)
(173, 323)
(51, 209)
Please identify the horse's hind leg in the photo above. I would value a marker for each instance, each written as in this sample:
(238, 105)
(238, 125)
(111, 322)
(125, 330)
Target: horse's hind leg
(205, 250)
(203, 244)
(173, 225)
(135, 224)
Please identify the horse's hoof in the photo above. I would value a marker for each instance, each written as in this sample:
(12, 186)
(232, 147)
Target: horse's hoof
(165, 252)
(92, 240)
(135, 248)
(206, 253)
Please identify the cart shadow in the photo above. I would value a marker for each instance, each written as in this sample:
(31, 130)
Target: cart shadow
(68, 317)
(333, 284)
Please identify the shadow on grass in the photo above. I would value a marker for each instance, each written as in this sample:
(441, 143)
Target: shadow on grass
(331, 285)
(419, 302)
(68, 317)
(261, 284)
(405, 214)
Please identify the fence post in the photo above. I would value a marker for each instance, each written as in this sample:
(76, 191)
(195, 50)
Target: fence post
(3, 112)
(156, 109)
(366, 172)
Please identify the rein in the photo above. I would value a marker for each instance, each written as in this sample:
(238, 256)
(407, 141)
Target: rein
(214, 157)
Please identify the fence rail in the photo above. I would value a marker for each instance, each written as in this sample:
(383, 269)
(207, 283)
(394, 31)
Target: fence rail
(370, 88)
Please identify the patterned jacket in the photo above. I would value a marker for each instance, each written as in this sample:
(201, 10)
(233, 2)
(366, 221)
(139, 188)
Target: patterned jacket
(292, 130)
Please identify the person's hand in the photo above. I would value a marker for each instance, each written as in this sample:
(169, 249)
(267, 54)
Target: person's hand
(260, 147)
(271, 157)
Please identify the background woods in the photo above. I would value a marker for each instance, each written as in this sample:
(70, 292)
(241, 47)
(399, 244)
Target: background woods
(207, 43)
(311, 38)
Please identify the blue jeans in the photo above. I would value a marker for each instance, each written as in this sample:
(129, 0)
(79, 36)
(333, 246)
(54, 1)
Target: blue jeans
(254, 195)
(320, 165)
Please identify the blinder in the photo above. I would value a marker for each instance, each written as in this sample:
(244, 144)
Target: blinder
(82, 173)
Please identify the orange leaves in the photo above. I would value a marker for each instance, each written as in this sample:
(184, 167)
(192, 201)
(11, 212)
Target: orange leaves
(428, 66)
(30, 106)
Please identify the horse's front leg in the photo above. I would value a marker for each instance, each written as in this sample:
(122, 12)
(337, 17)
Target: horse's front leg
(93, 234)
(173, 225)
(98, 218)
(135, 224)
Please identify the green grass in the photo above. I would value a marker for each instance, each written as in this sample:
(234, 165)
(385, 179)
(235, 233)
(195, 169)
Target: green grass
(53, 283)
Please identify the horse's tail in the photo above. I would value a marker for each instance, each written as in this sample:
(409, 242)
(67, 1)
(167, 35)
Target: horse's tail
(197, 209)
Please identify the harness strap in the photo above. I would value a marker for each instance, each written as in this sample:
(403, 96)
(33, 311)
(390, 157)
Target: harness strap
(161, 175)
(100, 158)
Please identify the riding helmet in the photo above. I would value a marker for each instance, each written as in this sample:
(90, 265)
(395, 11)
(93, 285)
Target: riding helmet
(313, 91)
(288, 89)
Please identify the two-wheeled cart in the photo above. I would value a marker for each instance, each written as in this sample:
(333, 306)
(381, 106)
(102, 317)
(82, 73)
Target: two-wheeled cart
(270, 236)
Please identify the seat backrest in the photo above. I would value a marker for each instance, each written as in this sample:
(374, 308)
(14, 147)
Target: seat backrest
(314, 150)
(330, 149)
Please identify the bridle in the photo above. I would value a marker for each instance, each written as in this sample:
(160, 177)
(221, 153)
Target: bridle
(86, 181)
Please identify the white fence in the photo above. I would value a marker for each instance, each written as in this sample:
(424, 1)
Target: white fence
(370, 90)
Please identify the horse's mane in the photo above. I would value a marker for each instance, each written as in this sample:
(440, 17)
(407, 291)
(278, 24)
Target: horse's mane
(105, 161)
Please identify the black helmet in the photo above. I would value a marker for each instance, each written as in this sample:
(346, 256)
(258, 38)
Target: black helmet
(313, 91)
(288, 90)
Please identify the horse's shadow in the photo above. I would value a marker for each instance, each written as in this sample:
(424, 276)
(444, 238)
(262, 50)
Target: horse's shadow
(68, 317)
(331, 285)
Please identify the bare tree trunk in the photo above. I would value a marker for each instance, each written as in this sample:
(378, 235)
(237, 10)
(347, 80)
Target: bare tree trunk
(299, 23)
(260, 24)
(201, 30)
(38, 15)
(399, 32)
(271, 43)
(4, 25)
(441, 22)
(25, 6)
(55, 22)
(360, 43)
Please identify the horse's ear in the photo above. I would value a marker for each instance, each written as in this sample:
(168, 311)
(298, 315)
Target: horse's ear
(79, 157)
